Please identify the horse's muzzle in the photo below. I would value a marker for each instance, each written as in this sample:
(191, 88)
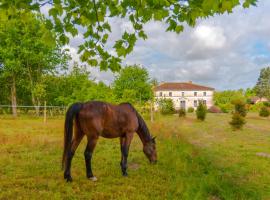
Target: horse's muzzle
(153, 162)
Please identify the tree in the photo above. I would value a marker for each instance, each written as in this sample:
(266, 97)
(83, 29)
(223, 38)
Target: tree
(201, 111)
(76, 86)
(225, 98)
(262, 87)
(133, 81)
(239, 114)
(93, 17)
(27, 51)
(166, 106)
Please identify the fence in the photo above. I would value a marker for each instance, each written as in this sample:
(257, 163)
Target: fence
(35, 111)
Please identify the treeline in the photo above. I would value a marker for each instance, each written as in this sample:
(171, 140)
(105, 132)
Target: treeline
(224, 99)
(132, 84)
(34, 68)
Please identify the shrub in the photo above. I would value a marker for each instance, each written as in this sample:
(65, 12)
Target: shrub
(238, 117)
(237, 121)
(226, 108)
(214, 109)
(201, 111)
(190, 110)
(166, 106)
(264, 112)
(255, 107)
(267, 104)
(182, 112)
(240, 107)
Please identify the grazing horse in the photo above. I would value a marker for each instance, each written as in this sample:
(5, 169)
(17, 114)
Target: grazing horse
(95, 119)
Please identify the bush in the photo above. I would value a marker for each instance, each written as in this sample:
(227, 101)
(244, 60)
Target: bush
(214, 109)
(266, 104)
(237, 121)
(182, 112)
(201, 111)
(264, 112)
(240, 107)
(190, 110)
(255, 107)
(166, 106)
(226, 108)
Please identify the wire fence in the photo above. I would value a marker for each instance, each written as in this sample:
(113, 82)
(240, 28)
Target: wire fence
(34, 111)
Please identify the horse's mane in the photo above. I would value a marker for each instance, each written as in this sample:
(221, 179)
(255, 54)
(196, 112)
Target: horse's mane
(143, 129)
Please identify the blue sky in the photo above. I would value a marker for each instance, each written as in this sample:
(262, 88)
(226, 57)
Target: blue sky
(224, 51)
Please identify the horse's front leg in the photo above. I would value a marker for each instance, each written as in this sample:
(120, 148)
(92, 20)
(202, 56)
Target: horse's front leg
(91, 144)
(125, 143)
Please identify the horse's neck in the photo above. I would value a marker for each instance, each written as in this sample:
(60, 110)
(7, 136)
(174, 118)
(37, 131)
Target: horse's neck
(144, 136)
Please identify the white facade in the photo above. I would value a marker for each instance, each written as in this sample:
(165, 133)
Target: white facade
(186, 98)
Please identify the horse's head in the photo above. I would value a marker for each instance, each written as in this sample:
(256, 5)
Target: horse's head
(149, 150)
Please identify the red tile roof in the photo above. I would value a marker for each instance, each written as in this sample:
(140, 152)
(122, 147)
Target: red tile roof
(181, 86)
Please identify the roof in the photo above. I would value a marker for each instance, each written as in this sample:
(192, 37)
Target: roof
(189, 86)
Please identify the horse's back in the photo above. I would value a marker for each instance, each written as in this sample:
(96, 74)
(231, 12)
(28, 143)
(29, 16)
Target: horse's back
(107, 119)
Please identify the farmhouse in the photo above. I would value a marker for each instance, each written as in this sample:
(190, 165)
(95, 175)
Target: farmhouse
(185, 95)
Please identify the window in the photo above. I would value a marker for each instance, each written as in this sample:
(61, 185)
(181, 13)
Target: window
(183, 94)
(195, 103)
(160, 94)
(195, 94)
(170, 94)
(204, 93)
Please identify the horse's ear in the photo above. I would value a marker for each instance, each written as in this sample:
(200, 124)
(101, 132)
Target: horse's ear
(153, 139)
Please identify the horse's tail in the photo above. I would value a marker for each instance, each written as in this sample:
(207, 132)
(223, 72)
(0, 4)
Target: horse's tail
(72, 111)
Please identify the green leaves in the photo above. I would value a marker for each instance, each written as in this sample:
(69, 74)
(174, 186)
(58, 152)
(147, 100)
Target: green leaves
(94, 18)
(125, 45)
(247, 3)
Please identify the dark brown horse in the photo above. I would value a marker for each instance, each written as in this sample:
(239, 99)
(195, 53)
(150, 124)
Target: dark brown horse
(95, 119)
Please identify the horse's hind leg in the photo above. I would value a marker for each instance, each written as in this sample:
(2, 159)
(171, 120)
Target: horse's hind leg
(78, 135)
(91, 144)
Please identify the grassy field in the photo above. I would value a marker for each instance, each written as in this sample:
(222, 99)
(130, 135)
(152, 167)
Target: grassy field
(196, 160)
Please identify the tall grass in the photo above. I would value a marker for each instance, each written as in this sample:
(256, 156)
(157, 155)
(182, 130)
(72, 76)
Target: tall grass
(194, 162)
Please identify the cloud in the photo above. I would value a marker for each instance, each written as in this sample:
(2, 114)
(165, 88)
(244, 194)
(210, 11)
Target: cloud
(209, 36)
(224, 51)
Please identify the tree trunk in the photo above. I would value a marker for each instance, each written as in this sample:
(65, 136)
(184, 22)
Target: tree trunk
(34, 102)
(151, 111)
(13, 97)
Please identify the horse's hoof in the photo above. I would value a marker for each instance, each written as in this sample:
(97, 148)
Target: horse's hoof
(69, 179)
(125, 174)
(93, 178)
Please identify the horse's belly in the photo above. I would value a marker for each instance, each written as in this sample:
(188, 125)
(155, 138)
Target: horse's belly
(110, 134)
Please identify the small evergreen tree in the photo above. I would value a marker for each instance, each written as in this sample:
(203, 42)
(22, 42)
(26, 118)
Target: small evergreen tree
(240, 107)
(201, 111)
(237, 121)
(182, 112)
(264, 112)
(239, 114)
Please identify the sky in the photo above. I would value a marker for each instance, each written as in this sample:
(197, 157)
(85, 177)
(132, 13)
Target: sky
(225, 51)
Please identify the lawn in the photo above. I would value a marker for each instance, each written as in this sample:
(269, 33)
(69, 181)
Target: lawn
(196, 160)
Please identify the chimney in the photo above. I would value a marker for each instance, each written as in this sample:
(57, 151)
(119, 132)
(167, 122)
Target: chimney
(190, 82)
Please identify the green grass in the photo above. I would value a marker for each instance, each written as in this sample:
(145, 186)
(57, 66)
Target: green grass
(196, 160)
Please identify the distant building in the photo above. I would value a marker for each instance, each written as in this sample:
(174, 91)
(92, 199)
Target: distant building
(185, 95)
(254, 100)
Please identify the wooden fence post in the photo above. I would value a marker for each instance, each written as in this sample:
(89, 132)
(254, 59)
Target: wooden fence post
(45, 113)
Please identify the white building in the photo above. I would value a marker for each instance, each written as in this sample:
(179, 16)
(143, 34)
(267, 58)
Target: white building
(185, 95)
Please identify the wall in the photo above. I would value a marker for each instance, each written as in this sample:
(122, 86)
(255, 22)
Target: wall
(188, 97)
